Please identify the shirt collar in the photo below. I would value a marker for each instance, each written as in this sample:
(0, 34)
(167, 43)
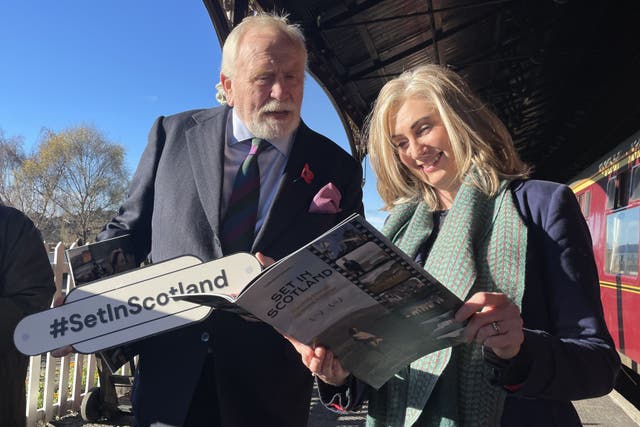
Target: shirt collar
(241, 133)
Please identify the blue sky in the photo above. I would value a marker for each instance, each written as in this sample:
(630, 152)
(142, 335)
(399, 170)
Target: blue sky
(117, 65)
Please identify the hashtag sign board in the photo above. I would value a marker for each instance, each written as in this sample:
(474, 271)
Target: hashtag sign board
(133, 305)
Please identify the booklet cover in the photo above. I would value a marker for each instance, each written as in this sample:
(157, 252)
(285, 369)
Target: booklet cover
(354, 292)
(98, 260)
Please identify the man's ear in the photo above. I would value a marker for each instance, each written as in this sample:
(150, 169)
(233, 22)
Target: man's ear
(228, 91)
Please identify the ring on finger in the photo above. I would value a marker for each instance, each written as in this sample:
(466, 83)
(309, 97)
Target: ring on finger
(496, 327)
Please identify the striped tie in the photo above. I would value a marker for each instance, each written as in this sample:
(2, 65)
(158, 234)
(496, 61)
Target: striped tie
(242, 211)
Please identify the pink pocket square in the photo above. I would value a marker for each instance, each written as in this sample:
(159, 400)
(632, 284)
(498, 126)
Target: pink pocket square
(327, 201)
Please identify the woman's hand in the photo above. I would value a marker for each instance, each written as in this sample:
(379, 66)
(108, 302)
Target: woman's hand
(321, 362)
(494, 321)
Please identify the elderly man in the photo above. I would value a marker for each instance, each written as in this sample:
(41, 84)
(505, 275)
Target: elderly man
(235, 178)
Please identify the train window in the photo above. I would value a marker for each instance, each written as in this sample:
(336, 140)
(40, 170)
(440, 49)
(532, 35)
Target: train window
(618, 191)
(623, 231)
(635, 183)
(611, 193)
(584, 200)
(622, 193)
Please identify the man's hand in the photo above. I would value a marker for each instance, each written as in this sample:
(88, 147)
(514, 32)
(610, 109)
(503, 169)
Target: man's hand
(264, 260)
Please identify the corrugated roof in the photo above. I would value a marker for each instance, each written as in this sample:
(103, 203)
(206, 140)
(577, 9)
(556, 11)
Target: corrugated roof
(564, 75)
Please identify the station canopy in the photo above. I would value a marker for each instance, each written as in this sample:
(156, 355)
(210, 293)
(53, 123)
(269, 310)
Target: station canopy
(564, 75)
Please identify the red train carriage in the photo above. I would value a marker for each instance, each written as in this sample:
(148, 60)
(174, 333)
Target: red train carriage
(609, 196)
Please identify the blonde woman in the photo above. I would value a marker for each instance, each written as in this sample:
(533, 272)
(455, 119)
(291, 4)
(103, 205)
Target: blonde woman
(517, 251)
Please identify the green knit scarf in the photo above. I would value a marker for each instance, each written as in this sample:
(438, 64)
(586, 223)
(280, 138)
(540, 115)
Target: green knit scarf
(481, 247)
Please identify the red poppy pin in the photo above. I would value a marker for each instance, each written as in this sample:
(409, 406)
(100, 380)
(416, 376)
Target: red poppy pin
(306, 174)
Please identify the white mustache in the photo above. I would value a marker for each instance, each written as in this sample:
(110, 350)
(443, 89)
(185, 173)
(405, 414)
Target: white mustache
(274, 106)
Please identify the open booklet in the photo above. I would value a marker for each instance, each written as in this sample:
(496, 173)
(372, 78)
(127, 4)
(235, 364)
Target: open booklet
(354, 292)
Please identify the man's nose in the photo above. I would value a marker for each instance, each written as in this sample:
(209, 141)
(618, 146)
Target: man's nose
(278, 89)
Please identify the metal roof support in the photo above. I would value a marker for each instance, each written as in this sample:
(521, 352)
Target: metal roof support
(434, 32)
(240, 9)
(218, 18)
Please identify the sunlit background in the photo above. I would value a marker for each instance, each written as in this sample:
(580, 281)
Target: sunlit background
(118, 65)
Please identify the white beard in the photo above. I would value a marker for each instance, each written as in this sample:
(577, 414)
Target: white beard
(271, 129)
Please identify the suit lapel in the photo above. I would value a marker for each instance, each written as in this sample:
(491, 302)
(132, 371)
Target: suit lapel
(205, 142)
(293, 194)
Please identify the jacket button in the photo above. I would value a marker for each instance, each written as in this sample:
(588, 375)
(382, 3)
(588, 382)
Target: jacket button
(204, 337)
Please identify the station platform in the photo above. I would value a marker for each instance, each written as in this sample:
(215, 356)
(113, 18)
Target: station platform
(612, 410)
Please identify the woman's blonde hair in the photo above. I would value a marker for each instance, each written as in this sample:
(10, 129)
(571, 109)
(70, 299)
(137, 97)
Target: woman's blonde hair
(479, 139)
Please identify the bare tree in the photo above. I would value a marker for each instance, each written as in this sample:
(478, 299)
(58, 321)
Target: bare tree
(11, 158)
(18, 188)
(81, 176)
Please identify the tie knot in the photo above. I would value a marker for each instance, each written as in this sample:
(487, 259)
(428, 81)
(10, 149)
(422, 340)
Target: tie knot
(256, 144)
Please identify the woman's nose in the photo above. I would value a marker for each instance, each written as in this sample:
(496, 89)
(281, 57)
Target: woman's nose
(416, 149)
